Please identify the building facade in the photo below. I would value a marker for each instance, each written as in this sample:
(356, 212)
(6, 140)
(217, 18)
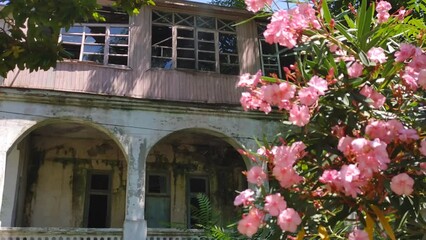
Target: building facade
(117, 141)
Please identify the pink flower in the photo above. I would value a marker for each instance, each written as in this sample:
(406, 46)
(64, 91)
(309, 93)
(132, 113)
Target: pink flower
(383, 6)
(422, 148)
(256, 5)
(422, 79)
(287, 176)
(402, 184)
(358, 234)
(405, 52)
(345, 145)
(349, 177)
(251, 81)
(382, 9)
(275, 204)
(256, 175)
(329, 176)
(299, 115)
(250, 223)
(386, 131)
(355, 70)
(308, 96)
(319, 84)
(286, 156)
(377, 55)
(245, 198)
(377, 98)
(278, 95)
(408, 135)
(401, 14)
(288, 220)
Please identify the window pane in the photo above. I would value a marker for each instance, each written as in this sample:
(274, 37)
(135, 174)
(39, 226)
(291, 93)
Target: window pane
(71, 51)
(157, 212)
(94, 30)
(93, 49)
(206, 22)
(206, 36)
(161, 17)
(184, 20)
(117, 60)
(161, 51)
(71, 39)
(185, 33)
(165, 63)
(226, 25)
(270, 60)
(269, 49)
(73, 29)
(197, 185)
(119, 30)
(117, 50)
(207, 66)
(118, 40)
(157, 184)
(206, 56)
(206, 46)
(227, 43)
(183, 43)
(98, 209)
(189, 64)
(99, 182)
(95, 39)
(93, 58)
(185, 53)
(161, 36)
(233, 59)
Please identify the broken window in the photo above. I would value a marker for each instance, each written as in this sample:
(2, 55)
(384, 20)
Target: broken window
(105, 43)
(98, 197)
(196, 185)
(182, 41)
(273, 57)
(157, 208)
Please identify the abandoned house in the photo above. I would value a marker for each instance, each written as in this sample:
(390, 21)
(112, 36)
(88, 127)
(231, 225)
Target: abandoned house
(117, 141)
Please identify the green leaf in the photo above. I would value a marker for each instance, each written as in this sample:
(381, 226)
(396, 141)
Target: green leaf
(326, 11)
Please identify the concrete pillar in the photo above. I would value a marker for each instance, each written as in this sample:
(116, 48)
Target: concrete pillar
(3, 156)
(135, 227)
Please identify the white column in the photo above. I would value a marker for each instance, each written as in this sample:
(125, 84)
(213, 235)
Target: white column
(3, 156)
(135, 227)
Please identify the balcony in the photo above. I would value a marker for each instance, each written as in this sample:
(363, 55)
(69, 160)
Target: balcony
(34, 233)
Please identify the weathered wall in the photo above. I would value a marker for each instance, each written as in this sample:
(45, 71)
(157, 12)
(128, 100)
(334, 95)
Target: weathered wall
(57, 180)
(221, 165)
(142, 81)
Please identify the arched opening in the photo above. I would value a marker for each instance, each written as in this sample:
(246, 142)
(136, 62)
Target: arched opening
(66, 174)
(188, 162)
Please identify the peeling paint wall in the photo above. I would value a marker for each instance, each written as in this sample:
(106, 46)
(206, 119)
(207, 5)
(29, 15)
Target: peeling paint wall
(57, 177)
(221, 165)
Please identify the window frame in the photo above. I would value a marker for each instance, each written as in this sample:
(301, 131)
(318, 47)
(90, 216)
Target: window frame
(90, 191)
(189, 195)
(106, 45)
(174, 25)
(166, 195)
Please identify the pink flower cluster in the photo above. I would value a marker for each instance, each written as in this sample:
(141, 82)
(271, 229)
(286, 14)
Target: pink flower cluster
(382, 9)
(275, 205)
(377, 55)
(358, 234)
(286, 26)
(283, 95)
(256, 175)
(377, 99)
(390, 131)
(414, 73)
(402, 184)
(257, 5)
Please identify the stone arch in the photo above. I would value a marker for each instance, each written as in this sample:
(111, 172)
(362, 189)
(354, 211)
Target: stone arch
(188, 161)
(51, 172)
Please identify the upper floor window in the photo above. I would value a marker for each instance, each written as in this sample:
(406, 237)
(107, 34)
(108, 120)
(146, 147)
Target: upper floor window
(185, 41)
(273, 57)
(104, 43)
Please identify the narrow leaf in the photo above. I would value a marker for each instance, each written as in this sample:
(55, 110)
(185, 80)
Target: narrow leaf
(370, 226)
(301, 234)
(326, 11)
(384, 221)
(322, 231)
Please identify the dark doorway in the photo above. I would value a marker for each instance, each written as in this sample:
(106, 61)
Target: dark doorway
(98, 200)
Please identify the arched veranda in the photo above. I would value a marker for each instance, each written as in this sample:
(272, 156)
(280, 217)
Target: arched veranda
(63, 173)
(185, 163)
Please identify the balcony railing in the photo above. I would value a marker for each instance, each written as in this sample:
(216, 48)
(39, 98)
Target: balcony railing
(61, 233)
(174, 234)
(32, 233)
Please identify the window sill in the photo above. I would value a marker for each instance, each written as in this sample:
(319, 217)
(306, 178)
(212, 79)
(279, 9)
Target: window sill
(193, 71)
(118, 67)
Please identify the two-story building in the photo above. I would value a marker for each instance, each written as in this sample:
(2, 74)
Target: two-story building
(117, 141)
